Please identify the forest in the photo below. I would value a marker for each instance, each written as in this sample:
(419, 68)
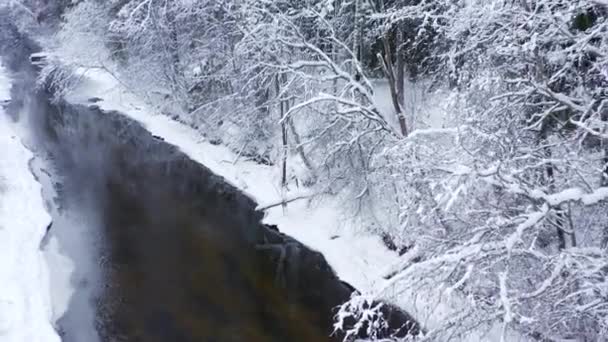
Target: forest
(471, 135)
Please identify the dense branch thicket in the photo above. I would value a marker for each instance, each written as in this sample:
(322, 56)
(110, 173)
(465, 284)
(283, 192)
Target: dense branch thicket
(502, 202)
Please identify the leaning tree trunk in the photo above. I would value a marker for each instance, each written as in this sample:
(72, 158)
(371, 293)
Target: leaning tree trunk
(400, 65)
(301, 152)
(389, 71)
(283, 109)
(395, 75)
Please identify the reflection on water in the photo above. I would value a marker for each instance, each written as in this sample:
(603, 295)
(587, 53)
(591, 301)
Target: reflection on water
(185, 257)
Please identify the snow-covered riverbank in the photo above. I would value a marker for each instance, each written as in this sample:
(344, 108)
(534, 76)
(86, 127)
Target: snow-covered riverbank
(25, 303)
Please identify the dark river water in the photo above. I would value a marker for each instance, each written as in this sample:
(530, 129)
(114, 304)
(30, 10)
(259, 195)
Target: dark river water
(164, 250)
(184, 255)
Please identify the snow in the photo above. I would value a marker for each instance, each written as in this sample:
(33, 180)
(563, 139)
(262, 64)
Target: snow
(25, 304)
(427, 112)
(529, 222)
(572, 195)
(506, 303)
(62, 267)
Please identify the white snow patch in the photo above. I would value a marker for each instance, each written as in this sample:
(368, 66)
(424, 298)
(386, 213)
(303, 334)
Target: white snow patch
(62, 267)
(25, 304)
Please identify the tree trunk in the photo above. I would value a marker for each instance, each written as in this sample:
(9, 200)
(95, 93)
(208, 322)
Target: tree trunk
(550, 181)
(604, 180)
(605, 169)
(356, 35)
(559, 213)
(283, 109)
(285, 106)
(400, 78)
(604, 175)
(400, 65)
(300, 149)
(389, 71)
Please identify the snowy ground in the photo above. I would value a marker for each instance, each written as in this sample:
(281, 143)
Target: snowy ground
(357, 256)
(25, 305)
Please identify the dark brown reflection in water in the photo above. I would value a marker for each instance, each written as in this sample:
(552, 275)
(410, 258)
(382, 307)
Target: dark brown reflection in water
(185, 256)
(183, 261)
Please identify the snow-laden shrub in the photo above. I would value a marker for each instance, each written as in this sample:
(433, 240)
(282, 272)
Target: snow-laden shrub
(364, 315)
(80, 44)
(362, 318)
(58, 78)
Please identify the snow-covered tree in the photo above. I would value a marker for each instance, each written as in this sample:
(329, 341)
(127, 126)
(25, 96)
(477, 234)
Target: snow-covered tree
(507, 207)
